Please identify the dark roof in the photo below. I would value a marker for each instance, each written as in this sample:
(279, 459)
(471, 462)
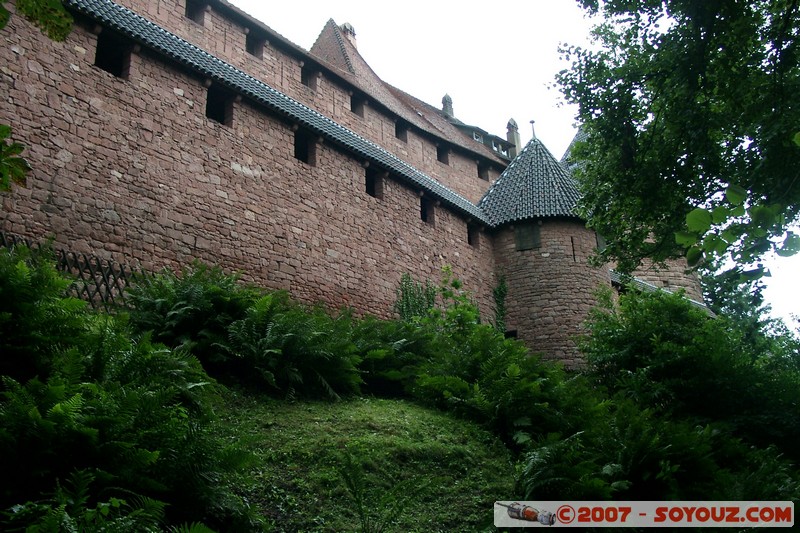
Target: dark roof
(534, 185)
(580, 136)
(190, 56)
(621, 280)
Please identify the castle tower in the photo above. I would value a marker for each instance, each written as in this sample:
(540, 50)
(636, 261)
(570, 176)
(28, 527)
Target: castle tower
(542, 248)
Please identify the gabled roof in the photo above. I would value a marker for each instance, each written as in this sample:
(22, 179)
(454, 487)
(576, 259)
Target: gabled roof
(534, 185)
(335, 50)
(156, 38)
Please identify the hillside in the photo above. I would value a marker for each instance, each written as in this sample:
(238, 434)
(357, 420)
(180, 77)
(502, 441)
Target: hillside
(447, 472)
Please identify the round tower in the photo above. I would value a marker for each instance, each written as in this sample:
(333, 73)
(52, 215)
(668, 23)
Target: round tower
(542, 248)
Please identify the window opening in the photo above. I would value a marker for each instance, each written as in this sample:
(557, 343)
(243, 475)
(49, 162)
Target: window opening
(357, 105)
(401, 130)
(305, 147)
(219, 105)
(427, 210)
(473, 234)
(374, 182)
(443, 154)
(113, 54)
(527, 236)
(483, 172)
(254, 45)
(308, 77)
(196, 11)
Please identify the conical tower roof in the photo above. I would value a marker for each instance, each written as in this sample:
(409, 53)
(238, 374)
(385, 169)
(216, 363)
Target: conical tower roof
(535, 185)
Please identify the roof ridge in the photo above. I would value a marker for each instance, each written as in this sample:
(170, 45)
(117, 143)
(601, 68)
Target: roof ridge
(340, 39)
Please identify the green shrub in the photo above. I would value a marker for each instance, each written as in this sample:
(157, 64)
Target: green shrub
(192, 310)
(447, 358)
(391, 352)
(670, 356)
(36, 319)
(100, 422)
(630, 453)
(414, 299)
(294, 349)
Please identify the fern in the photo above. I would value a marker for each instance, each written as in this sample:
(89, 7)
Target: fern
(99, 430)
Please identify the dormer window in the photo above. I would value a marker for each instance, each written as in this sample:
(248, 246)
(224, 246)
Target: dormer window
(477, 136)
(498, 147)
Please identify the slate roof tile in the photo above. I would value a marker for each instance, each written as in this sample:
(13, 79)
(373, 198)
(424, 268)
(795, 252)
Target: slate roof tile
(534, 185)
(334, 50)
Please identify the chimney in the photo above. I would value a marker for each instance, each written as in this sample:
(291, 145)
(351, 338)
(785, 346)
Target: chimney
(350, 33)
(447, 105)
(512, 136)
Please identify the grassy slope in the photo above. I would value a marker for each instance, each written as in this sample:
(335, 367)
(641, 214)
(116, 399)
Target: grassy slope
(455, 469)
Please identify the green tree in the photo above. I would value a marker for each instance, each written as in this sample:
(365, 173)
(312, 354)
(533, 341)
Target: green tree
(693, 128)
(660, 351)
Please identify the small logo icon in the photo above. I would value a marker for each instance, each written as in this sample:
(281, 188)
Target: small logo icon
(529, 514)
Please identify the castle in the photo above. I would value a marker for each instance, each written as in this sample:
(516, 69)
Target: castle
(161, 132)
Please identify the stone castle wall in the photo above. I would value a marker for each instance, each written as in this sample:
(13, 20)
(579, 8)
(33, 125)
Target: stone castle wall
(280, 68)
(133, 170)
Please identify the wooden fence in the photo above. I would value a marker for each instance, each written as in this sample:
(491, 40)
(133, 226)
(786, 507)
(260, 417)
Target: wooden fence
(101, 282)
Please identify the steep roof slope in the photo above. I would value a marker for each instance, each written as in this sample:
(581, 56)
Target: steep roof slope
(335, 50)
(535, 185)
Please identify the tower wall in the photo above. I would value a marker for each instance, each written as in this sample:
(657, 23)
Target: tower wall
(550, 288)
(674, 276)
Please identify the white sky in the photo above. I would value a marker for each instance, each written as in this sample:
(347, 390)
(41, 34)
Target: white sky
(497, 60)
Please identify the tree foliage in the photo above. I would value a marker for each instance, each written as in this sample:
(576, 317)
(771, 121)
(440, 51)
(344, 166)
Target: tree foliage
(49, 15)
(693, 128)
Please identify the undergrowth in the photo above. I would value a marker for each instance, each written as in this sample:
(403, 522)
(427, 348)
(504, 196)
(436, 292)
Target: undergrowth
(108, 421)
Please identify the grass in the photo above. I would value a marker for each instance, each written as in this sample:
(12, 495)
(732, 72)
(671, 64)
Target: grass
(447, 472)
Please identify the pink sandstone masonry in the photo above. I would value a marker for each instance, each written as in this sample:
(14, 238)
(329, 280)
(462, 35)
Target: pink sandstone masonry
(550, 288)
(131, 169)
